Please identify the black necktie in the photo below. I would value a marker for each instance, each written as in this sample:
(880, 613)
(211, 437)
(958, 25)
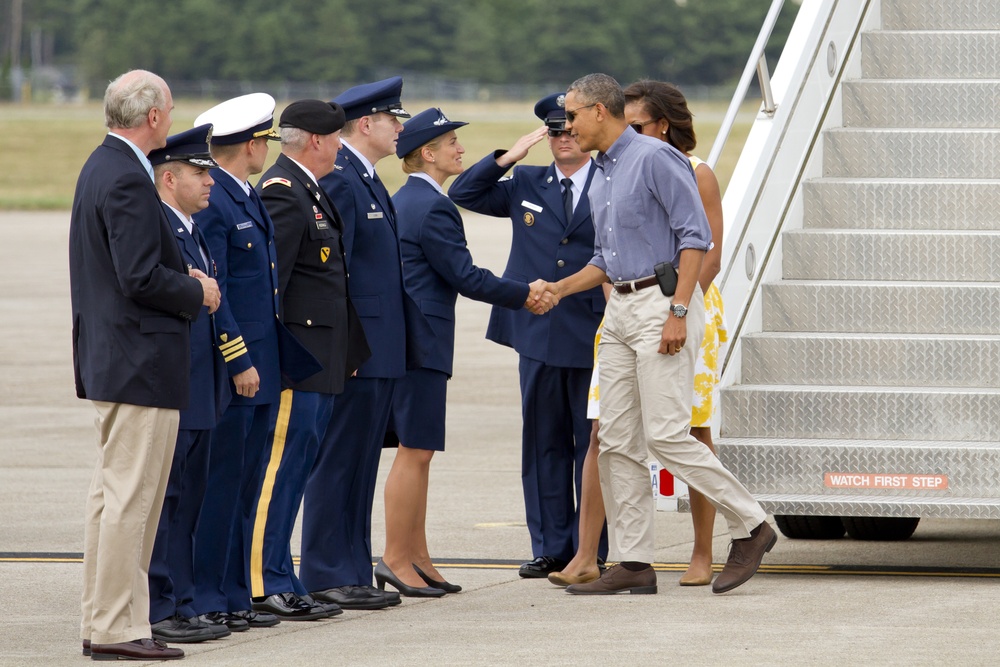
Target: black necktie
(568, 198)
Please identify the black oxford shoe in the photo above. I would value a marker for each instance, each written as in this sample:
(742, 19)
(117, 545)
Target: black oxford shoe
(541, 567)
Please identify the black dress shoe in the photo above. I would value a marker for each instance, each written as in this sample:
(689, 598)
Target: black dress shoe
(256, 619)
(140, 649)
(179, 631)
(220, 619)
(289, 607)
(86, 648)
(393, 597)
(383, 576)
(332, 609)
(541, 566)
(351, 597)
(433, 583)
(218, 630)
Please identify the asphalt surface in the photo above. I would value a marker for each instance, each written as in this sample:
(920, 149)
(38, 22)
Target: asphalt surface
(933, 599)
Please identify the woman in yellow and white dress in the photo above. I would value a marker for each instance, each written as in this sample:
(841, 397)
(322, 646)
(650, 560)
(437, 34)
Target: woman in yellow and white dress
(659, 109)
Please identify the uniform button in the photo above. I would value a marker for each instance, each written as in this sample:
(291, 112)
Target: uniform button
(309, 322)
(276, 291)
(249, 245)
(564, 241)
(272, 266)
(560, 263)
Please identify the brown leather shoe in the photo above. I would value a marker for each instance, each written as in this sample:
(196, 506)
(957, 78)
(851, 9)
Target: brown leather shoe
(86, 648)
(618, 580)
(563, 579)
(744, 558)
(140, 649)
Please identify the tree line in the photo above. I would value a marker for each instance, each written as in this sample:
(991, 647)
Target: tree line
(703, 42)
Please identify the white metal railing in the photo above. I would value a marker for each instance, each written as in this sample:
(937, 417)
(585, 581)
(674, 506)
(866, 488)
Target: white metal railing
(763, 196)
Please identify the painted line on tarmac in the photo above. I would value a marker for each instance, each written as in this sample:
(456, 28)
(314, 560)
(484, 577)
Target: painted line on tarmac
(488, 564)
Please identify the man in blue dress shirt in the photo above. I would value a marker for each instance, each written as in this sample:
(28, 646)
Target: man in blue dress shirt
(553, 237)
(650, 220)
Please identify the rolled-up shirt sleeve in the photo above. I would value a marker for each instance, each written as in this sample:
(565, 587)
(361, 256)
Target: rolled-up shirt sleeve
(673, 185)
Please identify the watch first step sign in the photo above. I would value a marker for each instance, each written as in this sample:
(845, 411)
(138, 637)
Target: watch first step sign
(848, 480)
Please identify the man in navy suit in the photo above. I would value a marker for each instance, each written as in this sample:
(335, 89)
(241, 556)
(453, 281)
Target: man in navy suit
(241, 238)
(317, 309)
(336, 521)
(553, 238)
(183, 182)
(133, 300)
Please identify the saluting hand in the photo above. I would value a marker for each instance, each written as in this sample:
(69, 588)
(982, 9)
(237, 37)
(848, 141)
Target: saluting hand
(211, 289)
(521, 147)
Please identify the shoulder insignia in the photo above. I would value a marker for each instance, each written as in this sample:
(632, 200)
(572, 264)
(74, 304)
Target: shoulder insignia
(338, 167)
(271, 181)
(505, 178)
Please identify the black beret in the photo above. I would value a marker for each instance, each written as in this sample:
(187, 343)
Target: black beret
(314, 116)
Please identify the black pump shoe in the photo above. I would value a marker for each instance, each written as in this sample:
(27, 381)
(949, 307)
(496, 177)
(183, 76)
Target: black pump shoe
(384, 575)
(443, 585)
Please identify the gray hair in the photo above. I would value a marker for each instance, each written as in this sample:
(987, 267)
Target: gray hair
(602, 88)
(294, 138)
(129, 98)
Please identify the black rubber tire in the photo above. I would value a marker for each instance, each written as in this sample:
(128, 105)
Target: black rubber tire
(880, 528)
(809, 527)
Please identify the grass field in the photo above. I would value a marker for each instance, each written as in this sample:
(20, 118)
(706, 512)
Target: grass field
(46, 145)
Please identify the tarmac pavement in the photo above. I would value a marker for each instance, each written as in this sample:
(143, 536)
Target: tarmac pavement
(930, 600)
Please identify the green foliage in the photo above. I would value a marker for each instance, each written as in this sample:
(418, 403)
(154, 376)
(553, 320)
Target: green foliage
(516, 41)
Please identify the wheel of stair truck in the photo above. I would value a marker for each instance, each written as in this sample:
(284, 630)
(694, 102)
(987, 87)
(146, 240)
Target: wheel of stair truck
(880, 528)
(809, 527)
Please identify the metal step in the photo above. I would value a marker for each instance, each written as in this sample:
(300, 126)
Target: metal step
(876, 413)
(913, 104)
(922, 54)
(896, 153)
(871, 360)
(889, 307)
(833, 254)
(791, 465)
(847, 203)
(886, 506)
(940, 14)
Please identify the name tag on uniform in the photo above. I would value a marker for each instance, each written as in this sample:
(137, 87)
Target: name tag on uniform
(322, 224)
(375, 215)
(534, 207)
(244, 225)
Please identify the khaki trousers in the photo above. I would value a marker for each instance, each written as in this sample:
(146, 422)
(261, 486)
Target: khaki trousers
(135, 445)
(645, 400)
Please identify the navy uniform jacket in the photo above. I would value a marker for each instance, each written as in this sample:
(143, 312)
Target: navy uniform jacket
(210, 393)
(437, 267)
(544, 246)
(393, 325)
(132, 300)
(312, 275)
(240, 235)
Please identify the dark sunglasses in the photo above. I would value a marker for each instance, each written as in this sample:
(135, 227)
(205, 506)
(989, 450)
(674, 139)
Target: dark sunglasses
(557, 133)
(638, 126)
(571, 113)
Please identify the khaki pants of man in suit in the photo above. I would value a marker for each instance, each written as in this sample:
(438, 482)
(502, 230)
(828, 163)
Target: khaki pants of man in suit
(645, 400)
(135, 448)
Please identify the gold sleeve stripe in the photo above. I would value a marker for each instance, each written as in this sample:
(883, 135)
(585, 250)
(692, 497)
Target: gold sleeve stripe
(235, 354)
(236, 342)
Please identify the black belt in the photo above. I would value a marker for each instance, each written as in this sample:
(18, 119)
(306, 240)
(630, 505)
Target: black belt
(630, 286)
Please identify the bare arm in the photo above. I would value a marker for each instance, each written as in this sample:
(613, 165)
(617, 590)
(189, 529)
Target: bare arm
(711, 199)
(675, 328)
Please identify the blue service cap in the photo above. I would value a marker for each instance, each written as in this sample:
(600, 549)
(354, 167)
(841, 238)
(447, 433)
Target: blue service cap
(190, 146)
(370, 98)
(241, 119)
(552, 110)
(423, 127)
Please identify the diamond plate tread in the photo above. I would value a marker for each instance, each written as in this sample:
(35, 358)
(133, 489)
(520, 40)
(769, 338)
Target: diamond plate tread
(833, 254)
(887, 506)
(878, 413)
(921, 54)
(914, 153)
(887, 307)
(895, 103)
(901, 204)
(874, 360)
(940, 14)
(790, 465)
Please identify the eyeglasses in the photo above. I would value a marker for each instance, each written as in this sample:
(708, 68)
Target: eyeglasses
(638, 126)
(557, 133)
(571, 113)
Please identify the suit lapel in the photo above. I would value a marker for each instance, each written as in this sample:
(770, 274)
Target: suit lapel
(188, 244)
(582, 210)
(552, 195)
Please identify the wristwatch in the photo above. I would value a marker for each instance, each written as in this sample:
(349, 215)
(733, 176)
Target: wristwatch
(678, 310)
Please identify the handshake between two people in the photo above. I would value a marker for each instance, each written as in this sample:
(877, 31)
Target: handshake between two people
(542, 297)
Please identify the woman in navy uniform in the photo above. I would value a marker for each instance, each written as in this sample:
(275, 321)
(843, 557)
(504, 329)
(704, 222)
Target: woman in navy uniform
(437, 267)
(553, 237)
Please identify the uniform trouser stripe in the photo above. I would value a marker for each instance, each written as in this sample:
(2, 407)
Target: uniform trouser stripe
(260, 519)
